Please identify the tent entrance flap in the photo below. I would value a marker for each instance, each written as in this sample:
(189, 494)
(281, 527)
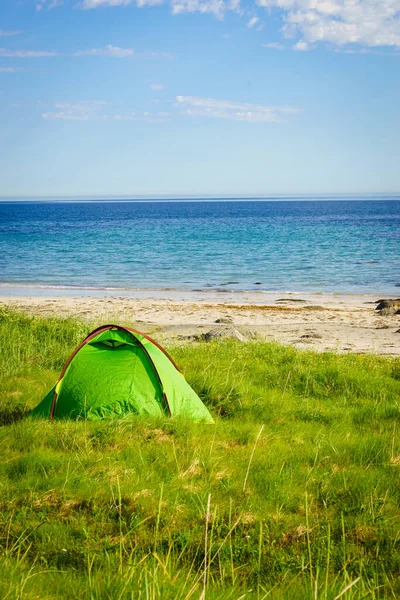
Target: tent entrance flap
(110, 344)
(115, 337)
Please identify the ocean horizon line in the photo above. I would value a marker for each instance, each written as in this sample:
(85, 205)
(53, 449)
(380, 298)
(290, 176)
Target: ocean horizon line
(312, 197)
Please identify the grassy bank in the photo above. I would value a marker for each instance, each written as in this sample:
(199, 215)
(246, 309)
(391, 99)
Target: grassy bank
(294, 493)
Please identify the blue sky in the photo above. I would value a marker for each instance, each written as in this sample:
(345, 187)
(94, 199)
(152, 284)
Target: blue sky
(199, 97)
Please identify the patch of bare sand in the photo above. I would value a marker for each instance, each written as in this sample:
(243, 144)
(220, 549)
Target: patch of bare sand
(321, 323)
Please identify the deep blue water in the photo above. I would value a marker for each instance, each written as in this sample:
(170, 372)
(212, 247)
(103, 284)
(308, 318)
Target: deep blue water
(339, 246)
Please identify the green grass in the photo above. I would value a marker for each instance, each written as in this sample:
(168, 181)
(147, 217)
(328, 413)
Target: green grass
(293, 494)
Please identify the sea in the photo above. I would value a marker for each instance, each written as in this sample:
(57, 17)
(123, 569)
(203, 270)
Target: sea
(342, 245)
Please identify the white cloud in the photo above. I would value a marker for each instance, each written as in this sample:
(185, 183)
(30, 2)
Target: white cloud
(253, 21)
(4, 32)
(347, 50)
(274, 46)
(216, 7)
(25, 53)
(195, 106)
(110, 51)
(369, 23)
(76, 111)
(155, 54)
(142, 116)
(157, 87)
(235, 111)
(126, 117)
(116, 52)
(141, 3)
(10, 70)
(40, 4)
(303, 46)
(86, 4)
(96, 110)
(113, 51)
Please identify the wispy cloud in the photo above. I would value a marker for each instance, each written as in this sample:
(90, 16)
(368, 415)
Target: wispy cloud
(253, 21)
(41, 4)
(117, 52)
(10, 70)
(97, 110)
(5, 33)
(274, 46)
(141, 3)
(142, 116)
(157, 87)
(155, 54)
(196, 106)
(216, 7)
(26, 53)
(192, 106)
(76, 111)
(112, 51)
(108, 51)
(302, 46)
(358, 50)
(87, 4)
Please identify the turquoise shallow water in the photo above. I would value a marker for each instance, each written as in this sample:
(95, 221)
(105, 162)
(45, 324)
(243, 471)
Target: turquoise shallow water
(322, 246)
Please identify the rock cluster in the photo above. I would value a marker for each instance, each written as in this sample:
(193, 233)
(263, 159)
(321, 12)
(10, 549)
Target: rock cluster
(218, 334)
(388, 308)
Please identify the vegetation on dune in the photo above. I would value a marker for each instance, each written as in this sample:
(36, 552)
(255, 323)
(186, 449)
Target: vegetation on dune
(293, 494)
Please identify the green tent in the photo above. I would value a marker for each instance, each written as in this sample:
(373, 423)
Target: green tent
(117, 371)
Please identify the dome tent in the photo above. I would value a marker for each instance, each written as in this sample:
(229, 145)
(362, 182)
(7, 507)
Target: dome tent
(117, 371)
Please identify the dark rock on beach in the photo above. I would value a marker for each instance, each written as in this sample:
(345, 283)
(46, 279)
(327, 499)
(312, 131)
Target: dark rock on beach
(388, 308)
(218, 334)
(224, 320)
(311, 335)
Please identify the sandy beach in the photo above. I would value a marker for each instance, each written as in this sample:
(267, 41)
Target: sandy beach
(321, 322)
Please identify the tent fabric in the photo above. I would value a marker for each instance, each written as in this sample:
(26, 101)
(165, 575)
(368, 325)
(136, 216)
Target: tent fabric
(118, 371)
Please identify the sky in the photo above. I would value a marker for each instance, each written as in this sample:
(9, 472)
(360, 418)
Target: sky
(199, 97)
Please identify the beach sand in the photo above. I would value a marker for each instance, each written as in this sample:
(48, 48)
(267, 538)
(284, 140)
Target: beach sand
(321, 322)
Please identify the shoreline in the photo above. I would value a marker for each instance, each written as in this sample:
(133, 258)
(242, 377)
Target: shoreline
(315, 321)
(199, 294)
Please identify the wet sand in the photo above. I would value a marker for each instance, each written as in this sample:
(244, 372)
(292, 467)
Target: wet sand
(321, 322)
